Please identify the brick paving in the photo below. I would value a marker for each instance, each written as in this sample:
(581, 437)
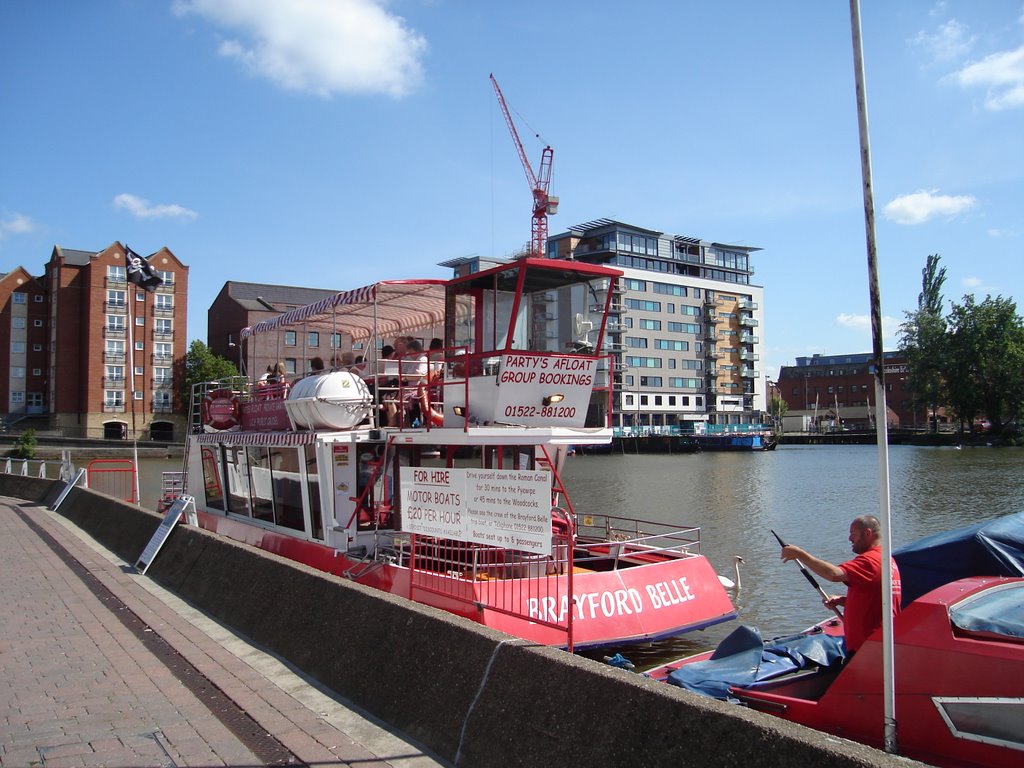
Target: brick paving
(100, 667)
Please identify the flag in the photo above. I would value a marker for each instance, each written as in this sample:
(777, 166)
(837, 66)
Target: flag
(140, 272)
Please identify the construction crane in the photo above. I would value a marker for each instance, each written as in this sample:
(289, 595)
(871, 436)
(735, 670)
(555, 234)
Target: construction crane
(544, 204)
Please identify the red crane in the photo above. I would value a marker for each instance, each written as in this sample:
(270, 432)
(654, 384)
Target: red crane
(544, 204)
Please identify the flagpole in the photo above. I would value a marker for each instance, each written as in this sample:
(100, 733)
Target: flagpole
(881, 409)
(131, 368)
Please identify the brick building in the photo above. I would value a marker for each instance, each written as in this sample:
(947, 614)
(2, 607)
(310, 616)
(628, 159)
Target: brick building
(826, 383)
(240, 305)
(100, 356)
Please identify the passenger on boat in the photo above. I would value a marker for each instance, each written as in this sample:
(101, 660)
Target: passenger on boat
(402, 406)
(862, 576)
(316, 366)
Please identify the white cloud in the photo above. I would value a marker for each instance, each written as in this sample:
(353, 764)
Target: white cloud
(997, 232)
(141, 208)
(971, 282)
(321, 47)
(863, 323)
(1002, 74)
(16, 224)
(951, 41)
(922, 205)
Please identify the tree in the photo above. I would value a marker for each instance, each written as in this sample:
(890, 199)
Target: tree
(777, 408)
(923, 341)
(985, 365)
(199, 365)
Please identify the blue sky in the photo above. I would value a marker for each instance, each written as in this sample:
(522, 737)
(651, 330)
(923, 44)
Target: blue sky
(331, 143)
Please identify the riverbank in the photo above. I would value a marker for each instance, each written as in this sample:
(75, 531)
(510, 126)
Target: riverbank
(91, 448)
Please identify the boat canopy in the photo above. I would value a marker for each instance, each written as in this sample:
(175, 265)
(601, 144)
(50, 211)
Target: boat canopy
(383, 308)
(992, 548)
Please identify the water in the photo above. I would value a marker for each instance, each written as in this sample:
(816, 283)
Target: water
(807, 494)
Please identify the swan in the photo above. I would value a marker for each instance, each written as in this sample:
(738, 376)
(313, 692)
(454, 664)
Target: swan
(729, 583)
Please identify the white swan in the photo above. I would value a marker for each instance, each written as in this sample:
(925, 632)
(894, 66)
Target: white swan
(729, 583)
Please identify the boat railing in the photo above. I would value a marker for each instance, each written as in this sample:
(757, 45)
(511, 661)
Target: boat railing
(627, 540)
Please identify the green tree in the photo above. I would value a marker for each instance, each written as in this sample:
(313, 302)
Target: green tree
(777, 408)
(25, 447)
(985, 365)
(923, 341)
(199, 365)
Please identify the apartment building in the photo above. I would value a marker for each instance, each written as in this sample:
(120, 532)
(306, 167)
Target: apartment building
(240, 305)
(686, 337)
(89, 353)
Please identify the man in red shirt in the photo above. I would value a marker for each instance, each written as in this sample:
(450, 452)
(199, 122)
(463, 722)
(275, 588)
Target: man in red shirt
(862, 576)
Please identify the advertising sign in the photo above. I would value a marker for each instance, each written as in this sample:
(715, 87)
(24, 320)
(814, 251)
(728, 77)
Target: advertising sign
(526, 381)
(499, 507)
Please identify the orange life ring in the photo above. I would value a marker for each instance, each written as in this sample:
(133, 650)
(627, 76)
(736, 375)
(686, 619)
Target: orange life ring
(221, 410)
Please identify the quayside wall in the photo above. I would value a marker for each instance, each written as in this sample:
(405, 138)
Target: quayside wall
(475, 696)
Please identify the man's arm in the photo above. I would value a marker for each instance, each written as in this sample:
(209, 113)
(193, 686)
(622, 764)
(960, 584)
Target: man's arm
(822, 568)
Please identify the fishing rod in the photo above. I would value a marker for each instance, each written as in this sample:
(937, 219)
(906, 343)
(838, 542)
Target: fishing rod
(807, 575)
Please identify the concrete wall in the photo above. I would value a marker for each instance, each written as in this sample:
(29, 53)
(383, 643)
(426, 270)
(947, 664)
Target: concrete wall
(465, 691)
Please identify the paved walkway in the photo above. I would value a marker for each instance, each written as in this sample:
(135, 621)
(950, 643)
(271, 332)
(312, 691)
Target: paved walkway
(100, 667)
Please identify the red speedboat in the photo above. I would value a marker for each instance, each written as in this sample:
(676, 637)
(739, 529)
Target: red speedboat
(958, 659)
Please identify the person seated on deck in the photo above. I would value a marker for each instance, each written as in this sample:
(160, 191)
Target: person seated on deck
(413, 369)
(263, 385)
(316, 366)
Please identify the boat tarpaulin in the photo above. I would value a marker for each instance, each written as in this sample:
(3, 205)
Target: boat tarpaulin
(992, 548)
(743, 659)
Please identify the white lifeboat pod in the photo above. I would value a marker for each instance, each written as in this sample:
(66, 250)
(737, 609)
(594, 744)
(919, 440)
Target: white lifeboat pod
(335, 400)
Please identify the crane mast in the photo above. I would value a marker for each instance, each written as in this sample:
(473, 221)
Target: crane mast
(544, 204)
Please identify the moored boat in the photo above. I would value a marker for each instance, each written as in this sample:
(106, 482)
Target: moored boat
(958, 649)
(437, 477)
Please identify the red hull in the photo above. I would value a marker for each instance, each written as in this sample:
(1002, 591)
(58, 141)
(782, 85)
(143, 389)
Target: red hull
(633, 604)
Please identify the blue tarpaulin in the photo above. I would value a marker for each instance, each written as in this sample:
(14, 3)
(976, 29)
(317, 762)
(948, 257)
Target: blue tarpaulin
(992, 548)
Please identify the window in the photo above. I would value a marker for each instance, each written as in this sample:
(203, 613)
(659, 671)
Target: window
(140, 295)
(37, 371)
(137, 394)
(115, 298)
(162, 398)
(650, 381)
(164, 301)
(115, 347)
(162, 350)
(37, 347)
(116, 274)
(17, 398)
(39, 298)
(634, 285)
(335, 340)
(678, 346)
(670, 290)
(164, 325)
(37, 323)
(162, 375)
(19, 298)
(167, 277)
(113, 398)
(115, 323)
(17, 372)
(18, 322)
(646, 306)
(140, 320)
(643, 362)
(657, 399)
(114, 373)
(650, 325)
(140, 346)
(139, 370)
(686, 309)
(289, 338)
(685, 400)
(289, 365)
(636, 342)
(313, 340)
(684, 327)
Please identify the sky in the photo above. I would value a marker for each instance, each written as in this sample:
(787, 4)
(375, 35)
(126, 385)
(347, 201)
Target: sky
(333, 143)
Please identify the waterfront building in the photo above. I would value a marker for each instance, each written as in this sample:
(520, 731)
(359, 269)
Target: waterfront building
(90, 354)
(840, 389)
(240, 305)
(687, 334)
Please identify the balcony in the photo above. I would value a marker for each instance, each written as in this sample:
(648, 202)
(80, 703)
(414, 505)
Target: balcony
(748, 339)
(711, 335)
(712, 319)
(749, 373)
(162, 336)
(113, 407)
(749, 357)
(162, 407)
(163, 383)
(711, 370)
(115, 308)
(113, 332)
(748, 322)
(746, 304)
(159, 359)
(117, 280)
(165, 287)
(113, 357)
(712, 302)
(163, 311)
(113, 382)
(712, 354)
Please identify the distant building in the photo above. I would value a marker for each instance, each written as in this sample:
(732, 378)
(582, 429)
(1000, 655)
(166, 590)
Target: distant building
(824, 384)
(88, 353)
(685, 329)
(688, 333)
(241, 305)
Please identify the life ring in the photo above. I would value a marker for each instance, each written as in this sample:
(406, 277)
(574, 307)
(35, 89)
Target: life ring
(221, 410)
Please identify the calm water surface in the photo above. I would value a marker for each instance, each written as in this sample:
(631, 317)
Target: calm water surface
(807, 494)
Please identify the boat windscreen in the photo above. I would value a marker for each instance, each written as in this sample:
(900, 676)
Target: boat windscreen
(996, 612)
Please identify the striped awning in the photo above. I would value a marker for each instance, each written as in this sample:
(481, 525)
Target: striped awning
(257, 438)
(382, 309)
